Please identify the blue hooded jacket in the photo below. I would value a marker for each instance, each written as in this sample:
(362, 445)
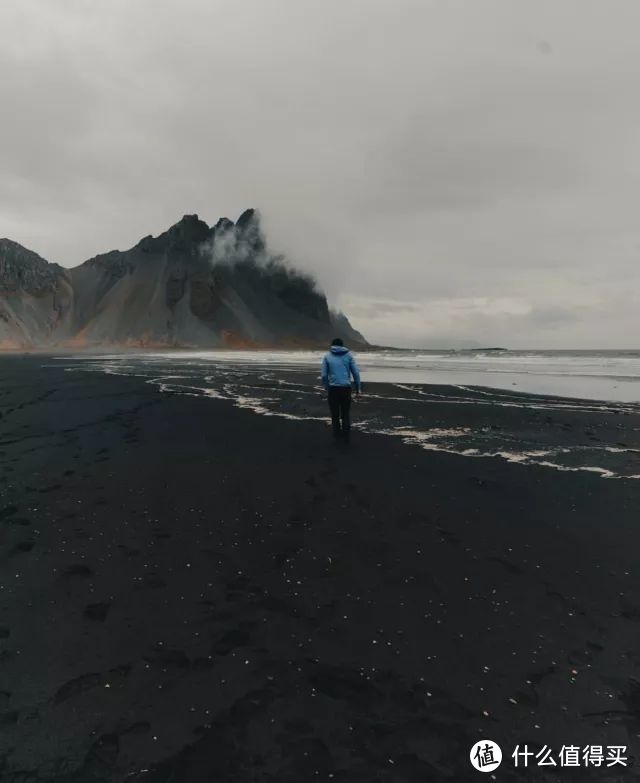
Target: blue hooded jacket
(338, 366)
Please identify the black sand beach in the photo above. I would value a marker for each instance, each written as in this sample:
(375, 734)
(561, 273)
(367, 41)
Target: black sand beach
(193, 592)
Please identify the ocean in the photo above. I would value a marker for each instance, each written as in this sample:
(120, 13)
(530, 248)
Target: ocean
(552, 402)
(589, 374)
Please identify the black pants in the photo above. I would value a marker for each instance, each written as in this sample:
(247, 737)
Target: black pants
(339, 405)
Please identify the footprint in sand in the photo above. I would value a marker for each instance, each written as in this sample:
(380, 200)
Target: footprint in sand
(97, 612)
(9, 718)
(76, 686)
(138, 728)
(232, 640)
(8, 511)
(512, 568)
(23, 546)
(153, 581)
(448, 536)
(77, 570)
(169, 659)
(103, 753)
(86, 682)
(51, 488)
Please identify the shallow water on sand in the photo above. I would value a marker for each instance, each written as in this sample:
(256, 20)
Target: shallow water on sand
(595, 375)
(572, 435)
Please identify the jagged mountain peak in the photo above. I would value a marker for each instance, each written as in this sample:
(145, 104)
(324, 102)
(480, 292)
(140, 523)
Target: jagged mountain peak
(14, 251)
(223, 224)
(190, 285)
(190, 228)
(248, 217)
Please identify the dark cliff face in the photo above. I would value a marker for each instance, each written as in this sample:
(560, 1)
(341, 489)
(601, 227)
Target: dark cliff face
(35, 297)
(24, 270)
(192, 285)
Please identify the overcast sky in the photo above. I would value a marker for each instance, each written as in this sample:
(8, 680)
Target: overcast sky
(450, 170)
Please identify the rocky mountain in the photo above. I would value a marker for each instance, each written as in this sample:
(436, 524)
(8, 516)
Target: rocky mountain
(193, 285)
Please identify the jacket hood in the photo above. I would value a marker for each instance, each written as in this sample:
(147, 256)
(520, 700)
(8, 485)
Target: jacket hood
(338, 349)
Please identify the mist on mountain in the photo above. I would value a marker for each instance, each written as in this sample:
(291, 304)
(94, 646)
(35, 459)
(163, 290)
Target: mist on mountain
(193, 285)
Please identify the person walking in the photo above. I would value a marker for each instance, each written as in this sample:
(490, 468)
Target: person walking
(338, 368)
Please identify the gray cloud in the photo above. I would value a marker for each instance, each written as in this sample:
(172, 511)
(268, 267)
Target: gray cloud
(448, 169)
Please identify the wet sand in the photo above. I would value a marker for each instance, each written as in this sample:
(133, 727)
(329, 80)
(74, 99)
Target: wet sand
(194, 592)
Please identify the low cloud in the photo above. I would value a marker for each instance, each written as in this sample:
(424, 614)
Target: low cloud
(472, 322)
(231, 245)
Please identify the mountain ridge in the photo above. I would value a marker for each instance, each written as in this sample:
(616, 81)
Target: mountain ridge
(191, 286)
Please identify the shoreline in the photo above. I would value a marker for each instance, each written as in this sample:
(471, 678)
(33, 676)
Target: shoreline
(587, 376)
(412, 412)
